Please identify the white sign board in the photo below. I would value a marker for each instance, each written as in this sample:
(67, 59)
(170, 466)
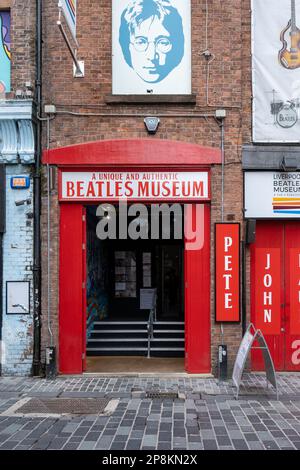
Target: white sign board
(147, 299)
(69, 10)
(272, 195)
(252, 335)
(159, 185)
(241, 357)
(276, 70)
(17, 297)
(151, 47)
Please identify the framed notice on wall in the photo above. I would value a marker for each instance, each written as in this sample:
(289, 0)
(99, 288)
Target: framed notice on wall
(17, 297)
(151, 47)
(227, 272)
(276, 70)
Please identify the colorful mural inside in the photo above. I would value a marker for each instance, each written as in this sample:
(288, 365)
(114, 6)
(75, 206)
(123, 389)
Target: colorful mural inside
(5, 55)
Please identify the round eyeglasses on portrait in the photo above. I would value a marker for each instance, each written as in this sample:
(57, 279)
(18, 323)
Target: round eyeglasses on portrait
(141, 44)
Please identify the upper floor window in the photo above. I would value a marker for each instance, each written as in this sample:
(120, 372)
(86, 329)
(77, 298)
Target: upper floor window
(5, 55)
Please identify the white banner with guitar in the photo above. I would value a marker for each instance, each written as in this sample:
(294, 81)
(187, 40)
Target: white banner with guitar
(276, 70)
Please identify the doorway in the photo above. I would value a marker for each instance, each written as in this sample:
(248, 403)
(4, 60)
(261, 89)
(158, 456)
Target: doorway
(134, 285)
(73, 283)
(278, 242)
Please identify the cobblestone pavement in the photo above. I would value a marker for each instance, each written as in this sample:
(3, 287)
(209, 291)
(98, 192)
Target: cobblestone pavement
(204, 416)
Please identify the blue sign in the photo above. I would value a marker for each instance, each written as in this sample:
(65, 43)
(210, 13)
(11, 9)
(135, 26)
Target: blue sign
(19, 182)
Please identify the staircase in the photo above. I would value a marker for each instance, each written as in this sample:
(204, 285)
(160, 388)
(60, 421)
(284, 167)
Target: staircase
(121, 338)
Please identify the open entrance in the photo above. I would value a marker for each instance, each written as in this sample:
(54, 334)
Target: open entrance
(135, 299)
(105, 171)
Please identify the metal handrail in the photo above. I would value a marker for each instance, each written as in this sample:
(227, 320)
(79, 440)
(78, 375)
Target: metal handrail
(150, 332)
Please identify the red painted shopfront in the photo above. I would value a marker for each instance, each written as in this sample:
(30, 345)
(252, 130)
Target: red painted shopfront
(134, 156)
(275, 292)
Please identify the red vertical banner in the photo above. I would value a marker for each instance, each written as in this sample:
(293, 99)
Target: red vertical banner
(227, 272)
(295, 291)
(267, 288)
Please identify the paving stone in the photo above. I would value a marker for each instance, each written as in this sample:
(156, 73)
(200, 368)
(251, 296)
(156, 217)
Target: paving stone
(223, 441)
(57, 444)
(117, 446)
(195, 446)
(87, 445)
(239, 444)
(133, 444)
(70, 446)
(104, 443)
(9, 445)
(209, 444)
(255, 445)
(270, 445)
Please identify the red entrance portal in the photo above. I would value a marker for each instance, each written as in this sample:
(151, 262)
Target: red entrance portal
(275, 292)
(130, 155)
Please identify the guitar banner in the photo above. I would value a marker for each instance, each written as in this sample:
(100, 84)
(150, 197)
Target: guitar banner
(276, 70)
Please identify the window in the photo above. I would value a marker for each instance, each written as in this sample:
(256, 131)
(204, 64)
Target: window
(5, 55)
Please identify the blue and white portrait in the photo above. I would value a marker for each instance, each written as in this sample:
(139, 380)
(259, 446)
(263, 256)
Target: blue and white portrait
(151, 46)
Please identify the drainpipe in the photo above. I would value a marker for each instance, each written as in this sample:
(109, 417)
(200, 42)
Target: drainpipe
(222, 189)
(36, 369)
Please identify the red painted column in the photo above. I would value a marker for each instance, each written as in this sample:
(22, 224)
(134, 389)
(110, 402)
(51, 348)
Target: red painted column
(197, 300)
(70, 289)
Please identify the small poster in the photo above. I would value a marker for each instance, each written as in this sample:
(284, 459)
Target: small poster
(125, 274)
(147, 299)
(151, 46)
(17, 297)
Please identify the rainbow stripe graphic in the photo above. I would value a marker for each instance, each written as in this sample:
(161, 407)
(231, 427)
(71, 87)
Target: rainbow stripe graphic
(71, 6)
(286, 205)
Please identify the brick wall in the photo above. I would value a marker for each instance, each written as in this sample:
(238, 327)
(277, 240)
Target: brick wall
(17, 266)
(17, 330)
(229, 86)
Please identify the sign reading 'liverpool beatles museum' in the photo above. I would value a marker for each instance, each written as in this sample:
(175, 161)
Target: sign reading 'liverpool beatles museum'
(272, 195)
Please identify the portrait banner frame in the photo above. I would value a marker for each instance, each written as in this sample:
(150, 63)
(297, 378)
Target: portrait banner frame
(151, 47)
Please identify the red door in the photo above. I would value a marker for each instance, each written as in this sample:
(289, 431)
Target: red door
(275, 297)
(292, 296)
(72, 303)
(197, 289)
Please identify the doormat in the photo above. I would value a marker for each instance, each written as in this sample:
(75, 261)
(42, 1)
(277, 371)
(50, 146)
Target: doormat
(44, 407)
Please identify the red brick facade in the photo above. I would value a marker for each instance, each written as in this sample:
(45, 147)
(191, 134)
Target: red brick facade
(224, 83)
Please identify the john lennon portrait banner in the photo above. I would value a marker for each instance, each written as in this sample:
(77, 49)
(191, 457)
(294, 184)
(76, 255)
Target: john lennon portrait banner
(276, 70)
(151, 46)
